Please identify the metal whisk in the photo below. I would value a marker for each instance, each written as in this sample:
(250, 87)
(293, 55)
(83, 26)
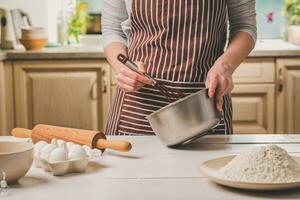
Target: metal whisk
(171, 94)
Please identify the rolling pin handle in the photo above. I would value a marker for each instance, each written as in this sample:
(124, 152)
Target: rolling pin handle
(117, 145)
(21, 133)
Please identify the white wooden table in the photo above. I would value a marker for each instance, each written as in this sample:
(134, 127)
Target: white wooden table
(151, 171)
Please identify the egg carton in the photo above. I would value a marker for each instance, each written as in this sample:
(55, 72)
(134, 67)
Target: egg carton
(61, 168)
(75, 162)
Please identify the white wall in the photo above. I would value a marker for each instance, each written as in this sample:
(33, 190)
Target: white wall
(94, 5)
(35, 8)
(53, 7)
(42, 13)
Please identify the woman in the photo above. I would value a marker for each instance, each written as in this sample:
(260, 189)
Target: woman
(179, 42)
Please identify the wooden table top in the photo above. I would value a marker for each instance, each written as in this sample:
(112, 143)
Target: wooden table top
(151, 171)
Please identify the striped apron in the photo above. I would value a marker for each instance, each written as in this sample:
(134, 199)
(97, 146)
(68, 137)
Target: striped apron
(179, 41)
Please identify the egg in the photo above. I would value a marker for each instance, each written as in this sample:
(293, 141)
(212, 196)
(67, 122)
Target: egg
(58, 154)
(46, 151)
(54, 141)
(87, 149)
(64, 146)
(76, 152)
(96, 153)
(69, 145)
(38, 148)
(60, 143)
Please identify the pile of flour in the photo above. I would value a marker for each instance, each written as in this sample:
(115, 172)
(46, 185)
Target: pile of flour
(264, 164)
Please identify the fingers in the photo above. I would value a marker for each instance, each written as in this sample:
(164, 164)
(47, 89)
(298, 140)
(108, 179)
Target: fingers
(142, 66)
(127, 88)
(219, 101)
(127, 84)
(127, 80)
(216, 88)
(207, 82)
(130, 81)
(218, 85)
(226, 85)
(135, 76)
(222, 84)
(213, 83)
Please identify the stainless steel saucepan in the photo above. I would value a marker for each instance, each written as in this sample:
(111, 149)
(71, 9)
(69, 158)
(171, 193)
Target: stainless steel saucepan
(186, 119)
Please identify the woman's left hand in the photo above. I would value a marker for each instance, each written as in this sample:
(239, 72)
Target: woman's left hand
(219, 81)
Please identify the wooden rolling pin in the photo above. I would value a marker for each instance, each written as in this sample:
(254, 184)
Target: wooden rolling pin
(94, 139)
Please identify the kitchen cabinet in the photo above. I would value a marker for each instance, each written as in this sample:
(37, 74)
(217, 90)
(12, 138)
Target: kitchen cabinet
(71, 93)
(288, 96)
(253, 97)
(253, 71)
(74, 87)
(7, 111)
(253, 108)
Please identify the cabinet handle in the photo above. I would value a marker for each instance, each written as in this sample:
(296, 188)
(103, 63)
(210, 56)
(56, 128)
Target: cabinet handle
(94, 91)
(104, 82)
(280, 81)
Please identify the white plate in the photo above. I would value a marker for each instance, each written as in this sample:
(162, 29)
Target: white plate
(209, 169)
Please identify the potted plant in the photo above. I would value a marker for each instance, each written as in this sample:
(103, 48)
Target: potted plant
(78, 23)
(292, 11)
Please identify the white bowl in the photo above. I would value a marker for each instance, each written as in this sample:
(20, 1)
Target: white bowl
(15, 160)
(33, 33)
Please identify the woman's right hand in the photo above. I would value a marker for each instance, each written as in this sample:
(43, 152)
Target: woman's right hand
(130, 81)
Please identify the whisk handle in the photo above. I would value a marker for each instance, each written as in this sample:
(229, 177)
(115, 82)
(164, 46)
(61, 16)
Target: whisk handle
(131, 65)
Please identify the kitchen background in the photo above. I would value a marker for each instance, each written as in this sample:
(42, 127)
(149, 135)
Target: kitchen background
(69, 83)
(270, 16)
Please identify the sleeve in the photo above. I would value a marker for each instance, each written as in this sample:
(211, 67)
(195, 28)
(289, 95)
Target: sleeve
(114, 13)
(242, 17)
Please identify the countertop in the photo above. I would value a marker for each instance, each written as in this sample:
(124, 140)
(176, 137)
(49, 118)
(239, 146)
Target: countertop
(151, 171)
(60, 53)
(263, 48)
(274, 48)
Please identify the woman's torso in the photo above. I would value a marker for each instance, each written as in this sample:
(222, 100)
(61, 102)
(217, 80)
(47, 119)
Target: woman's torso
(179, 41)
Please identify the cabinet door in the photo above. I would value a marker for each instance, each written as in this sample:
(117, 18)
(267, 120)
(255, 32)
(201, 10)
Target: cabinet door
(255, 71)
(288, 96)
(62, 93)
(253, 108)
(6, 98)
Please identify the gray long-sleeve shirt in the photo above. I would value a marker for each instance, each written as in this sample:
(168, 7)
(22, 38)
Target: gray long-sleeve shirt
(116, 21)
